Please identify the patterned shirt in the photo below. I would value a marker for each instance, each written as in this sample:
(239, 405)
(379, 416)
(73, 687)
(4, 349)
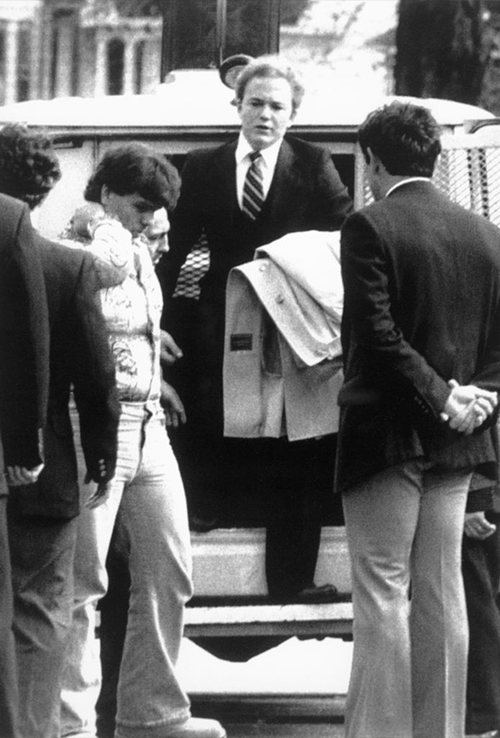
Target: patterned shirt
(131, 301)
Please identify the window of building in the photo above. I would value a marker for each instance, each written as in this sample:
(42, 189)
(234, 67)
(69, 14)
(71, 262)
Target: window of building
(116, 65)
(139, 57)
(24, 61)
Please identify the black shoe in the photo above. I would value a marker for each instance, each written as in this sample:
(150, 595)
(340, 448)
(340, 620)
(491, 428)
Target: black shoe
(202, 525)
(311, 595)
(317, 594)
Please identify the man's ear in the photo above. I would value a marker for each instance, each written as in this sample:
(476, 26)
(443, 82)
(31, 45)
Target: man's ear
(373, 159)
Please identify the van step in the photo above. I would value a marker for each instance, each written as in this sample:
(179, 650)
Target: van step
(331, 619)
(231, 562)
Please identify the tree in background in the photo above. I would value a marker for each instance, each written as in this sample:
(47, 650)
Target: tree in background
(442, 49)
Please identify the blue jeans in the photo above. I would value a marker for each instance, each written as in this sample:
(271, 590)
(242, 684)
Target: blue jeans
(408, 677)
(147, 501)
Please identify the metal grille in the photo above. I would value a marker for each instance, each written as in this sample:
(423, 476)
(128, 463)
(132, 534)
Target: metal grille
(468, 172)
(195, 266)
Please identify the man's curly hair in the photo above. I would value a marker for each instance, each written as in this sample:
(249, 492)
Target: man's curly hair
(29, 167)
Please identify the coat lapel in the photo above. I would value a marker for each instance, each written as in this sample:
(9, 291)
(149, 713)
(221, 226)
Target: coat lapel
(283, 185)
(224, 176)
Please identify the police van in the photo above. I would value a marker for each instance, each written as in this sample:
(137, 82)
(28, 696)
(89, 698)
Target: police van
(192, 109)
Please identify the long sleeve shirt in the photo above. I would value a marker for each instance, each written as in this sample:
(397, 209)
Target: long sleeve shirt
(131, 301)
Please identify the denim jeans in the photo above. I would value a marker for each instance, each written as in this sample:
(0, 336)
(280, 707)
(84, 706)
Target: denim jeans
(148, 503)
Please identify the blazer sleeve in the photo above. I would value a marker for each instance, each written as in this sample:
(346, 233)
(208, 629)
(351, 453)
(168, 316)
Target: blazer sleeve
(24, 345)
(93, 377)
(393, 362)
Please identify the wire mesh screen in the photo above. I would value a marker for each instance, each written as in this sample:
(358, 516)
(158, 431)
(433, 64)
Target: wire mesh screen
(195, 266)
(470, 175)
(468, 172)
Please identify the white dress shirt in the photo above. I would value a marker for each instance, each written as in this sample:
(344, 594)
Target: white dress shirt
(267, 164)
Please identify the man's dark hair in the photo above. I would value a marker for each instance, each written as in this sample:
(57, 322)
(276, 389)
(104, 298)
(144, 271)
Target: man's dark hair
(133, 168)
(29, 167)
(405, 137)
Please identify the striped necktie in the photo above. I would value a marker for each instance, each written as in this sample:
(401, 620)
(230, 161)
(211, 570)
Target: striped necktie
(253, 190)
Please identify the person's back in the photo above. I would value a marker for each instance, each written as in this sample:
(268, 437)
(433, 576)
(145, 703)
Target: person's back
(42, 516)
(23, 393)
(421, 341)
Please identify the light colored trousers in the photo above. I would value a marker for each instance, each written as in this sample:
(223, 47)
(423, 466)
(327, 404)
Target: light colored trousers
(147, 497)
(408, 677)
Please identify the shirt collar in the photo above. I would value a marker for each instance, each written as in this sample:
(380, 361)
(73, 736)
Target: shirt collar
(406, 181)
(269, 155)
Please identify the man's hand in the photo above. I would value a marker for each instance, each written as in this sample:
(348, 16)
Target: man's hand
(175, 415)
(169, 350)
(477, 526)
(19, 476)
(468, 406)
(99, 496)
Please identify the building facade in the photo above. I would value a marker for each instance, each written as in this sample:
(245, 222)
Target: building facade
(88, 48)
(54, 48)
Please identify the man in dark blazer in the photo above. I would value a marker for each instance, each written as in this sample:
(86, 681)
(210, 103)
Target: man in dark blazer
(299, 189)
(421, 339)
(24, 339)
(42, 517)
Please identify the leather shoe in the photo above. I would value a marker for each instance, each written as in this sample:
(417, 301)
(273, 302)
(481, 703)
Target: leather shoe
(310, 595)
(202, 525)
(197, 728)
(317, 595)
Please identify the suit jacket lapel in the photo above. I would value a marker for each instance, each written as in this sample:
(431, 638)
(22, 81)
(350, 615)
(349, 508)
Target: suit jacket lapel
(277, 203)
(224, 176)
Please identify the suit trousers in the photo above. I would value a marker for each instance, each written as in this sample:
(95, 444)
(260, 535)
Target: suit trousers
(42, 551)
(147, 502)
(8, 670)
(404, 526)
(481, 571)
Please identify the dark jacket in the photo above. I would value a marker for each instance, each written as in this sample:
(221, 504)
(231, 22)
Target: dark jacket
(24, 338)
(306, 193)
(79, 358)
(421, 306)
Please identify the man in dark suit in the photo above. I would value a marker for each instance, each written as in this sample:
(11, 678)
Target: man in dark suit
(42, 517)
(242, 195)
(421, 339)
(24, 338)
